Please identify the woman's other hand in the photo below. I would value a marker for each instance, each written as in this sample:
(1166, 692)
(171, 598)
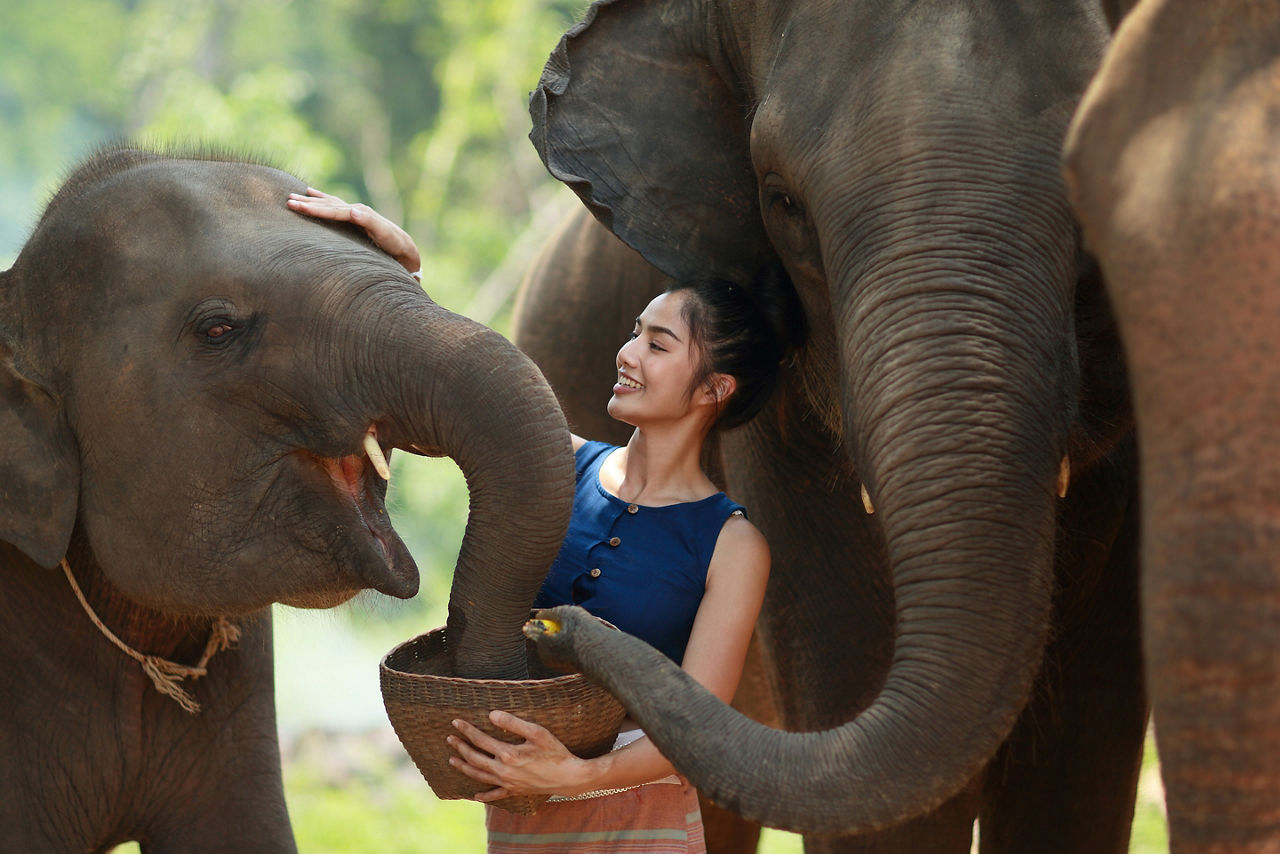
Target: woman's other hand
(389, 237)
(538, 765)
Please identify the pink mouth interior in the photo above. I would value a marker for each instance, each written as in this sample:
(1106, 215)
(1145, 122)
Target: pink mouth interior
(348, 474)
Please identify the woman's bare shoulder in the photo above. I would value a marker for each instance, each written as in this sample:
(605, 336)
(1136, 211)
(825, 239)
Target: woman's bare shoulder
(741, 542)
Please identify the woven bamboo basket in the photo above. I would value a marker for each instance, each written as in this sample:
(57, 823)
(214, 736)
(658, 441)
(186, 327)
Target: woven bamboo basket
(422, 698)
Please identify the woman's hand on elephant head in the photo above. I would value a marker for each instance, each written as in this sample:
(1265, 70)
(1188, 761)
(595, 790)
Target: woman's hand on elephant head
(389, 237)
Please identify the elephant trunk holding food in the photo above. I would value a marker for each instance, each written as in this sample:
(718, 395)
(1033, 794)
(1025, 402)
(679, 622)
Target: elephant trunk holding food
(197, 384)
(1173, 161)
(901, 160)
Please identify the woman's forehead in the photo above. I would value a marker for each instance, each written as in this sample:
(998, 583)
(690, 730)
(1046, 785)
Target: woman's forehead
(666, 310)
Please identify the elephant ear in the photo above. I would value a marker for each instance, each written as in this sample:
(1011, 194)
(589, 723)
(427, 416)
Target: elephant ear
(39, 466)
(631, 113)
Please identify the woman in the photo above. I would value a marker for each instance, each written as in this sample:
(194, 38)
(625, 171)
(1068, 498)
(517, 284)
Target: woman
(653, 547)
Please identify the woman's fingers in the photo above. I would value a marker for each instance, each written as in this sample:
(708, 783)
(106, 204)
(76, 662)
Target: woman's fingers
(473, 763)
(389, 237)
(476, 764)
(320, 194)
(491, 795)
(322, 207)
(496, 793)
(527, 730)
(535, 736)
(487, 743)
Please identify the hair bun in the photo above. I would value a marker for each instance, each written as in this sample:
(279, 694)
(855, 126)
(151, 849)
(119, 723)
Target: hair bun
(746, 331)
(777, 299)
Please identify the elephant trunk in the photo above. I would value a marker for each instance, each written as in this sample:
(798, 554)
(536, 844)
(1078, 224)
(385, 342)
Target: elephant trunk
(468, 393)
(958, 396)
(959, 418)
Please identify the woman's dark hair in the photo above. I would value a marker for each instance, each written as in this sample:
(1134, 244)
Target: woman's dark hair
(745, 332)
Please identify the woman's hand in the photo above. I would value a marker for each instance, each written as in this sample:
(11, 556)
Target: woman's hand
(538, 765)
(390, 238)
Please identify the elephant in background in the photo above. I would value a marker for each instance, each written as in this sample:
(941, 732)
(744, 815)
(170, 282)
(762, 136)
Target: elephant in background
(191, 377)
(1173, 163)
(972, 648)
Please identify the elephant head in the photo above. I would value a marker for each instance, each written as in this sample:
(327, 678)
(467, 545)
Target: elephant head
(192, 375)
(902, 161)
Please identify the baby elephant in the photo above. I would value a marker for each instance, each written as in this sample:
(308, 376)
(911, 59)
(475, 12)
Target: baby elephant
(196, 384)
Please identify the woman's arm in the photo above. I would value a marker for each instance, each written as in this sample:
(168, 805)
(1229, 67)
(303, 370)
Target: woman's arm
(715, 655)
(390, 238)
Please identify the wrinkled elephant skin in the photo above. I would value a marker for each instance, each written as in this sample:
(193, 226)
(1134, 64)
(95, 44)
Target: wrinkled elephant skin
(971, 649)
(189, 377)
(1174, 167)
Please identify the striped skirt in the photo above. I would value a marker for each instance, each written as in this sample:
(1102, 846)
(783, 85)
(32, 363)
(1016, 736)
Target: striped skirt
(657, 818)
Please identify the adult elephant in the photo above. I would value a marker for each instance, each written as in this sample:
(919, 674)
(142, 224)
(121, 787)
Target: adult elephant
(191, 378)
(971, 649)
(1174, 168)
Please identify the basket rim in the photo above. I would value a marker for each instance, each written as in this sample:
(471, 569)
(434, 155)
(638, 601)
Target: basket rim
(384, 667)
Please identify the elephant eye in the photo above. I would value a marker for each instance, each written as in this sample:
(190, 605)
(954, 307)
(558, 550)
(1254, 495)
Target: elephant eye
(216, 330)
(778, 194)
(215, 322)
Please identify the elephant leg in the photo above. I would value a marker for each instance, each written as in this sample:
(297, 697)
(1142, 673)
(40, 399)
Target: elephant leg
(827, 625)
(1066, 780)
(214, 833)
(222, 786)
(949, 828)
(576, 307)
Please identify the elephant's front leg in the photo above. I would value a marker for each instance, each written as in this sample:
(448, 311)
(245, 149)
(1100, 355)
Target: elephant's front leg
(827, 626)
(1067, 778)
(217, 776)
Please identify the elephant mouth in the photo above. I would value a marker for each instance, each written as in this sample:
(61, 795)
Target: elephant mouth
(387, 566)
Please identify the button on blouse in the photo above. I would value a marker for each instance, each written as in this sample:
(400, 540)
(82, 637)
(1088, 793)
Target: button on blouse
(644, 572)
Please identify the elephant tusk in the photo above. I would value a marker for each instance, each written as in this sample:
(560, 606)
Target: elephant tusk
(1064, 476)
(866, 501)
(374, 450)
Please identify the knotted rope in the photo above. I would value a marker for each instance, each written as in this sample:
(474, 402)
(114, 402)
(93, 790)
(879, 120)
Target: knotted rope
(166, 675)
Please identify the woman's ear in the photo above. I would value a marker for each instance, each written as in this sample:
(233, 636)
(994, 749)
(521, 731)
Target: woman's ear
(632, 114)
(720, 387)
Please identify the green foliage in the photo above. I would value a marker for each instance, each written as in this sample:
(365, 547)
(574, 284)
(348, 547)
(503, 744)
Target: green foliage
(416, 107)
(1150, 832)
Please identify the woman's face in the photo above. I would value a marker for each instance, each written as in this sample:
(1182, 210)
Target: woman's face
(657, 368)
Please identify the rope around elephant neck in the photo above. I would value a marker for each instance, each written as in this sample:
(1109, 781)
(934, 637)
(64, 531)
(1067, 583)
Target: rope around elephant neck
(166, 675)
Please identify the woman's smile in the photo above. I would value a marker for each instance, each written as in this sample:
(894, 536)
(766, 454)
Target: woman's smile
(626, 383)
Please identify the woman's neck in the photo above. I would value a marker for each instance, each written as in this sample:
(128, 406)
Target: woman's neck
(658, 468)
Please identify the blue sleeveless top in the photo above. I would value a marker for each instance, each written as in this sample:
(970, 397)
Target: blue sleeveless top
(644, 569)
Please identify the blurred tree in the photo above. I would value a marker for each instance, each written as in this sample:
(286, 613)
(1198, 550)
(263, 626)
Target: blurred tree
(416, 107)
